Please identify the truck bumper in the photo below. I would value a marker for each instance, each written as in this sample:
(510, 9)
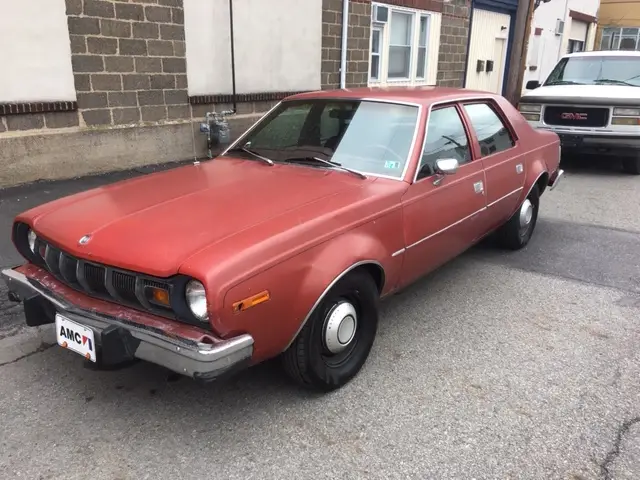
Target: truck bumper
(120, 338)
(609, 144)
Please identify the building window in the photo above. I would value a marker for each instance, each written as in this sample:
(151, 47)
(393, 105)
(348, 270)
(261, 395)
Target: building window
(617, 38)
(376, 52)
(399, 45)
(575, 46)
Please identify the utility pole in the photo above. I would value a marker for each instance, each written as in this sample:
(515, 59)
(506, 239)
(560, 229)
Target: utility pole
(518, 59)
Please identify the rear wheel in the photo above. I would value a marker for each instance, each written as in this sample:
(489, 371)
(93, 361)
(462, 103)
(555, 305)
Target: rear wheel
(335, 342)
(631, 165)
(516, 233)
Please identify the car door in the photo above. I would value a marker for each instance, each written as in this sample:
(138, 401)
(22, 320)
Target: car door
(496, 144)
(442, 214)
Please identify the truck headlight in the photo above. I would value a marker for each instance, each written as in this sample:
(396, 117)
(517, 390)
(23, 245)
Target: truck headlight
(530, 108)
(627, 112)
(196, 297)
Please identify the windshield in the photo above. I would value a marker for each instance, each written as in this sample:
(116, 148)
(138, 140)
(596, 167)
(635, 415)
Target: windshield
(366, 136)
(596, 70)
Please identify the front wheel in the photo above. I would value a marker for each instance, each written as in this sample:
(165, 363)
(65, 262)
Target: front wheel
(516, 233)
(631, 165)
(335, 342)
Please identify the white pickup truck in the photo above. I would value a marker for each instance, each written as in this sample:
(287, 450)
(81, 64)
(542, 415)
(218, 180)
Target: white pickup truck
(592, 101)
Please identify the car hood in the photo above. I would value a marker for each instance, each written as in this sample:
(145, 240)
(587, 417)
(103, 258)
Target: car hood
(602, 94)
(152, 224)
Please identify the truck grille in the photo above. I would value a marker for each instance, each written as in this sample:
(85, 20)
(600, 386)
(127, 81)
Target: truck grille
(572, 116)
(101, 281)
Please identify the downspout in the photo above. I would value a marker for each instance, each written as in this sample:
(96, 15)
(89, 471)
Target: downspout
(343, 53)
(466, 63)
(233, 56)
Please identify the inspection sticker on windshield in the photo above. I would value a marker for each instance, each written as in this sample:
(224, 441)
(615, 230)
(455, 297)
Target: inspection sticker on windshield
(391, 164)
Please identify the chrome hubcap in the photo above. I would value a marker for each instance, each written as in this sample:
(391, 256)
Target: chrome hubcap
(526, 213)
(340, 327)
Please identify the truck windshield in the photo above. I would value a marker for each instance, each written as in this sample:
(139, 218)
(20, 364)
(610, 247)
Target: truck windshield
(367, 136)
(596, 70)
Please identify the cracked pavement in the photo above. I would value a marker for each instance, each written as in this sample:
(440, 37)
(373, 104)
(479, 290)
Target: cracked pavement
(510, 365)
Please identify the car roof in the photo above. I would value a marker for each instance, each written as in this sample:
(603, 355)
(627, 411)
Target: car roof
(605, 53)
(422, 95)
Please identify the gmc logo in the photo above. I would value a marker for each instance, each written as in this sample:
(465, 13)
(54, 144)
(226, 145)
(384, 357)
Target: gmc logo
(573, 116)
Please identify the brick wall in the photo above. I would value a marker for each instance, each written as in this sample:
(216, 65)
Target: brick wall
(454, 34)
(358, 39)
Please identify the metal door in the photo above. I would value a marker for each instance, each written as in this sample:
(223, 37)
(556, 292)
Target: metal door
(487, 51)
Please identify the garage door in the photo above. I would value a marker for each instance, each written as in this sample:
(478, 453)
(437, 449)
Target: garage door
(487, 51)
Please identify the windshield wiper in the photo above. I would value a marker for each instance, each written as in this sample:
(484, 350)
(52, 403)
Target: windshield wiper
(329, 163)
(615, 82)
(266, 160)
(564, 82)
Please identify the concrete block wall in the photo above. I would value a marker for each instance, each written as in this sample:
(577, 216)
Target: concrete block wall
(454, 37)
(128, 61)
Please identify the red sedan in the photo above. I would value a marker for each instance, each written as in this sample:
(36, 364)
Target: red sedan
(285, 243)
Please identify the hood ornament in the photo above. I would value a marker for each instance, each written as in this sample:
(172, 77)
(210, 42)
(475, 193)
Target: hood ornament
(84, 240)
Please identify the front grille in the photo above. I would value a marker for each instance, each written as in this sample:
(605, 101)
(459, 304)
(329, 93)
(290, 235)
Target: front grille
(102, 281)
(571, 116)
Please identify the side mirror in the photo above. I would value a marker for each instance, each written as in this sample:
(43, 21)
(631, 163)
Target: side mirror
(532, 84)
(447, 166)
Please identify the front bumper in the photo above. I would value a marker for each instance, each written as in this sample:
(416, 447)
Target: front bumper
(123, 334)
(555, 179)
(586, 143)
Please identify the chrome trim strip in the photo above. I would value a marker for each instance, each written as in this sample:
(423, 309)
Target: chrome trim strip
(324, 293)
(534, 182)
(361, 99)
(504, 196)
(401, 251)
(446, 228)
(181, 355)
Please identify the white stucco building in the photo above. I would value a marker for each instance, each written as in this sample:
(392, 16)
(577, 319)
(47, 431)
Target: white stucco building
(559, 27)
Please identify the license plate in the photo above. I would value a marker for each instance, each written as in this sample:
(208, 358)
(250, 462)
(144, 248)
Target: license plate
(75, 337)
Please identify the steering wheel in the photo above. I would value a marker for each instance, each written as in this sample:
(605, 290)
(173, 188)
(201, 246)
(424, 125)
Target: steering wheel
(387, 149)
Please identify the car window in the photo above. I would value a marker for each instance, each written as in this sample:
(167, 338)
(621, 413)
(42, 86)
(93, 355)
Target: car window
(446, 138)
(284, 129)
(492, 134)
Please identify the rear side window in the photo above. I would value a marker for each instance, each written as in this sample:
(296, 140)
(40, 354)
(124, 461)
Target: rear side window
(493, 135)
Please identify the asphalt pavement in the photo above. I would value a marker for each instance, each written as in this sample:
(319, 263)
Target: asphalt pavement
(509, 365)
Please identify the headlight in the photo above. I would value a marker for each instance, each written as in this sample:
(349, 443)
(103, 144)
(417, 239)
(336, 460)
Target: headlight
(31, 238)
(532, 117)
(197, 299)
(529, 107)
(627, 112)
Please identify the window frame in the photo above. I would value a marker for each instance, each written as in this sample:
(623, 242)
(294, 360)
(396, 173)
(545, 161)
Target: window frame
(501, 116)
(616, 32)
(467, 130)
(385, 28)
(377, 28)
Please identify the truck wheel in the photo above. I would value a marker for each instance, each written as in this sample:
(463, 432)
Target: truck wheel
(631, 165)
(336, 340)
(516, 233)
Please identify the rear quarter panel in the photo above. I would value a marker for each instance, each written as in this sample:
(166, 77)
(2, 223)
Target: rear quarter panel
(541, 150)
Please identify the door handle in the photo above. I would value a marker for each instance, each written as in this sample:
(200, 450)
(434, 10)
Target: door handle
(478, 187)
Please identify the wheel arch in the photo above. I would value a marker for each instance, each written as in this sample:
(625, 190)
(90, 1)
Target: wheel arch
(370, 266)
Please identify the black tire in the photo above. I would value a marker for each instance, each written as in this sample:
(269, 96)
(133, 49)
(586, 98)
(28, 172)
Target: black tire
(308, 360)
(631, 165)
(511, 235)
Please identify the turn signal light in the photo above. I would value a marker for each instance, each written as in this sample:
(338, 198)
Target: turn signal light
(158, 295)
(625, 121)
(252, 301)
